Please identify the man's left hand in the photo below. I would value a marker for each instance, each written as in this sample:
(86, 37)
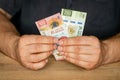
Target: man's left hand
(85, 51)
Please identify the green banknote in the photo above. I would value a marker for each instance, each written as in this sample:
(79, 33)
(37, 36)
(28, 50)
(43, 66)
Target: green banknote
(75, 21)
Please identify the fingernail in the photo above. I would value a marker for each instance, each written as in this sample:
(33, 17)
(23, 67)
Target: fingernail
(59, 48)
(46, 61)
(60, 42)
(55, 40)
(63, 37)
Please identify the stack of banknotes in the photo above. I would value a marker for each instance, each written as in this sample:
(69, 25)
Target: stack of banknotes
(69, 23)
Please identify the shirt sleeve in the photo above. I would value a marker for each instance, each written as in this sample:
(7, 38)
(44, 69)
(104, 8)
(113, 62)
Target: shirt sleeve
(10, 6)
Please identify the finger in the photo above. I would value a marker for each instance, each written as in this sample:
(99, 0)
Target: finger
(36, 48)
(78, 49)
(37, 66)
(29, 39)
(82, 64)
(38, 57)
(82, 40)
(82, 57)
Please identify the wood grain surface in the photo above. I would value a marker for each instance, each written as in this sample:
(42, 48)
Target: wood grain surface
(56, 70)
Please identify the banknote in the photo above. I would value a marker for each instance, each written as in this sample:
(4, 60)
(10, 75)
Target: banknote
(69, 23)
(75, 21)
(52, 26)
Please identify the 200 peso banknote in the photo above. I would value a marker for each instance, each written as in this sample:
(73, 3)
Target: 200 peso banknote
(75, 21)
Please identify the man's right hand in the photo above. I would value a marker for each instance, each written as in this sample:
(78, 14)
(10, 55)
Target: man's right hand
(32, 51)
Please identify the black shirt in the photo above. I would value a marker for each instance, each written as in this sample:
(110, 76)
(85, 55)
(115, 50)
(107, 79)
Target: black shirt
(103, 16)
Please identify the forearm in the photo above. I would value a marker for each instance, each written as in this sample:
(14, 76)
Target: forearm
(112, 47)
(8, 36)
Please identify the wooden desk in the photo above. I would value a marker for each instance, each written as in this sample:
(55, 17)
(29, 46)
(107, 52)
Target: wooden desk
(56, 70)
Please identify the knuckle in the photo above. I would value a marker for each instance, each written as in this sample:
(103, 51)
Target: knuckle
(97, 51)
(78, 58)
(24, 37)
(95, 39)
(48, 47)
(21, 40)
(33, 67)
(37, 67)
(25, 63)
(77, 49)
(28, 65)
(39, 38)
(42, 66)
(78, 39)
(90, 66)
(43, 39)
(53, 47)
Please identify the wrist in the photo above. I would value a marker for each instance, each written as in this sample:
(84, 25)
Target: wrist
(111, 47)
(8, 44)
(105, 52)
(13, 47)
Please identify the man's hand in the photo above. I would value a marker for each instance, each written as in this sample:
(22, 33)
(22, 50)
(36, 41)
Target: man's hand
(85, 51)
(33, 50)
